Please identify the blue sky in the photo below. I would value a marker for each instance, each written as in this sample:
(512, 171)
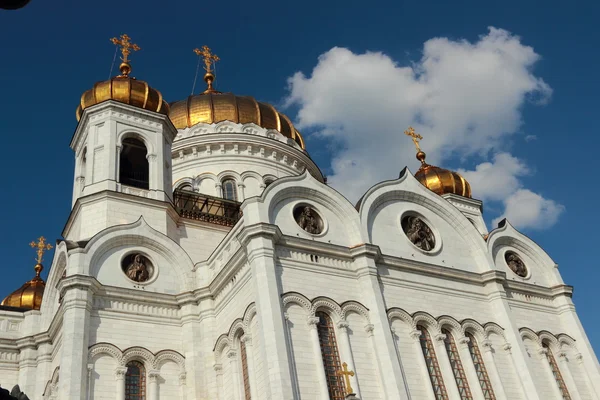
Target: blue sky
(541, 139)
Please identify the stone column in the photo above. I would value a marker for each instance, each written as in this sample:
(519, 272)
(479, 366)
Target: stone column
(492, 369)
(27, 366)
(445, 367)
(246, 341)
(288, 331)
(542, 354)
(182, 385)
(586, 376)
(219, 189)
(43, 373)
(469, 368)
(319, 366)
(153, 376)
(346, 352)
(218, 367)
(117, 164)
(235, 373)
(415, 335)
(152, 173)
(120, 373)
(77, 305)
(258, 241)
(90, 371)
(392, 377)
(241, 192)
(567, 376)
(494, 285)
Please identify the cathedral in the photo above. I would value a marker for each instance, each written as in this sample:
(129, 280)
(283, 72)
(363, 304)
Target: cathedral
(205, 257)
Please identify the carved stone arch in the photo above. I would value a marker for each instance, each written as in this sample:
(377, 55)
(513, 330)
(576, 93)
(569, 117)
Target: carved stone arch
(221, 343)
(495, 328)
(527, 333)
(138, 134)
(184, 181)
(355, 306)
(227, 127)
(107, 349)
(140, 354)
(398, 313)
(252, 129)
(170, 355)
(446, 321)
(148, 237)
(248, 315)
(297, 298)
(566, 340)
(200, 129)
(58, 268)
(235, 329)
(229, 174)
(550, 339)
(51, 389)
(328, 305)
(251, 174)
(423, 318)
(206, 175)
(407, 188)
(474, 328)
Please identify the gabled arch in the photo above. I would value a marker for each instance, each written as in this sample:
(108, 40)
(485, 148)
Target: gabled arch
(407, 188)
(58, 267)
(148, 237)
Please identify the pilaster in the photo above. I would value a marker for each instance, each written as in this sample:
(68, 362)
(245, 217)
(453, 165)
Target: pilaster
(347, 355)
(445, 367)
(492, 370)
(319, 366)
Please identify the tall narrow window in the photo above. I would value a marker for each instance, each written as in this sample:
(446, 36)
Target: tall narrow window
(457, 368)
(135, 381)
(133, 165)
(556, 372)
(245, 374)
(435, 375)
(229, 190)
(331, 357)
(482, 375)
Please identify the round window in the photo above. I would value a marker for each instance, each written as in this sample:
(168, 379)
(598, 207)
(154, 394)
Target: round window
(308, 219)
(418, 232)
(137, 267)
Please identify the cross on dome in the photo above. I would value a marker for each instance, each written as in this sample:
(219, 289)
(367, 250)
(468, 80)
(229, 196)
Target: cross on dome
(126, 48)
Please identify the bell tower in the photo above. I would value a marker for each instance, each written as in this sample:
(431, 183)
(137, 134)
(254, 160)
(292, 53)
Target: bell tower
(122, 148)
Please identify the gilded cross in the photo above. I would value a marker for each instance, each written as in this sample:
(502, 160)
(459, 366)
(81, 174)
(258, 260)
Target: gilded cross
(209, 58)
(415, 137)
(126, 46)
(346, 374)
(42, 247)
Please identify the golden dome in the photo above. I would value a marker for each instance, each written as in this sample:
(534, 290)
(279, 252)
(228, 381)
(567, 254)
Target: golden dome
(124, 89)
(440, 180)
(30, 294)
(212, 107)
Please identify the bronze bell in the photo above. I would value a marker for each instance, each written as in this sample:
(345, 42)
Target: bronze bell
(13, 4)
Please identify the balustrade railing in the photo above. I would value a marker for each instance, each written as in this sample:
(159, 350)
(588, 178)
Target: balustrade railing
(206, 208)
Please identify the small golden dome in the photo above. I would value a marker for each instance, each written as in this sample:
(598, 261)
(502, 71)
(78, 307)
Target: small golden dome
(212, 107)
(30, 294)
(440, 180)
(124, 89)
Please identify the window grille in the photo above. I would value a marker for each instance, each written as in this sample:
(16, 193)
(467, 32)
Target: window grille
(135, 381)
(482, 375)
(556, 372)
(433, 368)
(457, 368)
(331, 358)
(229, 190)
(245, 375)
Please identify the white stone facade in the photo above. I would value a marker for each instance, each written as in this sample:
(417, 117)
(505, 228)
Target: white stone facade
(259, 285)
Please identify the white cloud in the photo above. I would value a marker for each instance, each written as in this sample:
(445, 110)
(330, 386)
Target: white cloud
(526, 209)
(465, 98)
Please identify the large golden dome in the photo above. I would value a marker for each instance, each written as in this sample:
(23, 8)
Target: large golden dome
(30, 294)
(212, 107)
(440, 180)
(124, 89)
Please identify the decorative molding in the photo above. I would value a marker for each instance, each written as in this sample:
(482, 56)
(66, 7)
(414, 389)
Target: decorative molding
(150, 360)
(337, 311)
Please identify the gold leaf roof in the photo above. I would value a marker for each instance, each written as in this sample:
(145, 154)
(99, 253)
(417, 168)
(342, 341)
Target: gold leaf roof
(440, 180)
(29, 295)
(212, 107)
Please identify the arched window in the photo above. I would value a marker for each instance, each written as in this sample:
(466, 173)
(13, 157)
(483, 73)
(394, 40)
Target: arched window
(187, 187)
(133, 164)
(331, 357)
(229, 189)
(457, 367)
(482, 375)
(556, 372)
(245, 375)
(268, 181)
(135, 381)
(433, 368)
